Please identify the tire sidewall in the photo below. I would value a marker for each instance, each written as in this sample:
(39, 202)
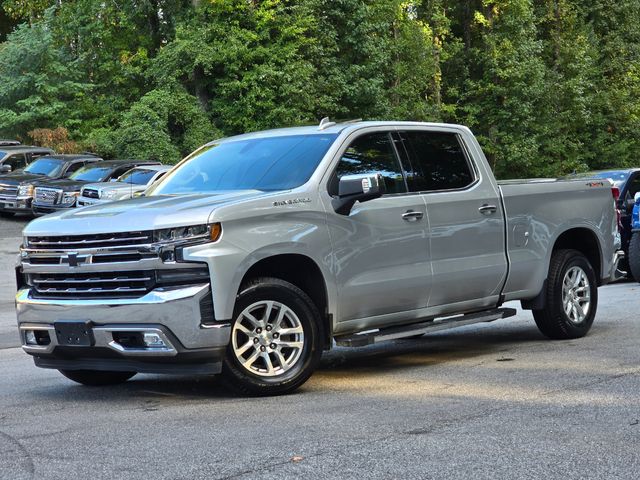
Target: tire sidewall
(306, 312)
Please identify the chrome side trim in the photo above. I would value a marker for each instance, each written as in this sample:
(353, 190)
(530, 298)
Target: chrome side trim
(36, 349)
(104, 337)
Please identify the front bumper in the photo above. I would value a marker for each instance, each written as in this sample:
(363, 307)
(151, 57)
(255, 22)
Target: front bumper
(174, 315)
(44, 209)
(15, 204)
(85, 201)
(616, 273)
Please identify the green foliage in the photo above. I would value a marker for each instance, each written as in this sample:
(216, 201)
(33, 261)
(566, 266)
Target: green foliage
(549, 86)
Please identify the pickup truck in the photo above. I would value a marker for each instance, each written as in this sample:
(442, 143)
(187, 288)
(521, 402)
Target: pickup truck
(259, 251)
(130, 183)
(53, 195)
(17, 187)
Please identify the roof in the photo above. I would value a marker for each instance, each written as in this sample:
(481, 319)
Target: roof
(72, 157)
(5, 142)
(332, 128)
(155, 168)
(24, 148)
(122, 163)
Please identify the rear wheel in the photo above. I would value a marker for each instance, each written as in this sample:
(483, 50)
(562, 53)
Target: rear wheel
(95, 378)
(275, 339)
(571, 297)
(634, 256)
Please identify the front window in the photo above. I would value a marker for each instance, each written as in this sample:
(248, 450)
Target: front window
(91, 173)
(268, 164)
(49, 167)
(137, 176)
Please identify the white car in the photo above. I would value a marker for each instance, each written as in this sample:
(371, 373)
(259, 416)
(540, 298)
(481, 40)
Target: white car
(131, 182)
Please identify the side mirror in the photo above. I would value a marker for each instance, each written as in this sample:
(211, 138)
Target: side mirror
(6, 168)
(357, 188)
(636, 197)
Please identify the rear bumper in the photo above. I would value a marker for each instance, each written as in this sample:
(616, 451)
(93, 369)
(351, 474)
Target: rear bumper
(616, 273)
(187, 343)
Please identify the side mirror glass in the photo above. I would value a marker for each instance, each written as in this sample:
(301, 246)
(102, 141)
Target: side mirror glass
(636, 197)
(357, 188)
(5, 168)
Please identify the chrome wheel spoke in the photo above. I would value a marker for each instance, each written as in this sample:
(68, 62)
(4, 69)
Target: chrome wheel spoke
(244, 348)
(285, 344)
(249, 361)
(290, 331)
(576, 294)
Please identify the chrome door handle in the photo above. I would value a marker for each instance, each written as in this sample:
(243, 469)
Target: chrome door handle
(487, 209)
(411, 216)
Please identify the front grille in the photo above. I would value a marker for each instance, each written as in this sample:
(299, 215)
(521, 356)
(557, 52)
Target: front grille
(47, 196)
(90, 193)
(125, 239)
(92, 285)
(8, 190)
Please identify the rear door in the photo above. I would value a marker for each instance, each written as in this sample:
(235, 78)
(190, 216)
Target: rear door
(466, 219)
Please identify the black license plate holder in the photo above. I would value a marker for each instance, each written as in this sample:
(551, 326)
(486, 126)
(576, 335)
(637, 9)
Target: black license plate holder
(74, 334)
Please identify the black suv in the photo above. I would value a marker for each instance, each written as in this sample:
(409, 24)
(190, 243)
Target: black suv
(8, 143)
(54, 195)
(16, 188)
(15, 157)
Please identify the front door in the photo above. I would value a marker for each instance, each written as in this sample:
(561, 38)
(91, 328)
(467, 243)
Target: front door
(380, 252)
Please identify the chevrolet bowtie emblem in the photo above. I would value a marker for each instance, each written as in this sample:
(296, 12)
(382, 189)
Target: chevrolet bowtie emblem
(72, 258)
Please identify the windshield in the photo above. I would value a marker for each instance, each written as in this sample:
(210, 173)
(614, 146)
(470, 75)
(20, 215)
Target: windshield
(272, 163)
(137, 176)
(45, 166)
(91, 173)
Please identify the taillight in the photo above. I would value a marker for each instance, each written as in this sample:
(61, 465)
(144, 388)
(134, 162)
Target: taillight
(615, 191)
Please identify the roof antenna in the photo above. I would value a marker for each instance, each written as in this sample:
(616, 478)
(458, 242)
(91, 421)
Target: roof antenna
(325, 123)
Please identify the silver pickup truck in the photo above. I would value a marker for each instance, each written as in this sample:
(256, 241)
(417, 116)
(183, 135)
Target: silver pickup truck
(262, 250)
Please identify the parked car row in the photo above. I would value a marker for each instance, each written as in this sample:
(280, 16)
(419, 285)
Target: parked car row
(41, 182)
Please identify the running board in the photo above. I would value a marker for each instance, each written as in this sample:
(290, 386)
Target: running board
(392, 333)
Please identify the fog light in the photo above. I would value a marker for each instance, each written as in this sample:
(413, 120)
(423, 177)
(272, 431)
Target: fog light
(153, 340)
(30, 337)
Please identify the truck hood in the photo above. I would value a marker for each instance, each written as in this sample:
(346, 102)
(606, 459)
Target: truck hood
(20, 178)
(110, 186)
(138, 214)
(64, 184)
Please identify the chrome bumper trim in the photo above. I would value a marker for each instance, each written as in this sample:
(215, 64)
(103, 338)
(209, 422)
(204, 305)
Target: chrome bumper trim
(176, 309)
(617, 274)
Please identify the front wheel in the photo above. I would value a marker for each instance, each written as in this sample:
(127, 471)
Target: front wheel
(275, 339)
(571, 297)
(95, 378)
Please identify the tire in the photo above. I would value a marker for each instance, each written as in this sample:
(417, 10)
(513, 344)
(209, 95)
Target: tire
(96, 378)
(554, 321)
(634, 257)
(256, 361)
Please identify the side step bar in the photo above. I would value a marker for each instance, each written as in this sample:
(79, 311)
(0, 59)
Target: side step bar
(392, 333)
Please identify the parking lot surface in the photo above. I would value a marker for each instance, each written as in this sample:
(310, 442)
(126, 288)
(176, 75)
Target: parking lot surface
(484, 402)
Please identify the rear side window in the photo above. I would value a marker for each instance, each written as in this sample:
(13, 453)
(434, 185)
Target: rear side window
(436, 161)
(370, 154)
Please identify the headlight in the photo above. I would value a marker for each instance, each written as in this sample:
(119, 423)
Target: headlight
(25, 191)
(109, 194)
(69, 198)
(189, 234)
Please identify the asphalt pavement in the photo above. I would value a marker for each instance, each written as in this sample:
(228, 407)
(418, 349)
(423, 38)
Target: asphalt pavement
(489, 401)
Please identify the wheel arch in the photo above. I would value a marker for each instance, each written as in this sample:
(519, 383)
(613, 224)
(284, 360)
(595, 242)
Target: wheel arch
(582, 239)
(303, 272)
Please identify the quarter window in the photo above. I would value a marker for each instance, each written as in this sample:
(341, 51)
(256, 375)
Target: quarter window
(436, 161)
(370, 154)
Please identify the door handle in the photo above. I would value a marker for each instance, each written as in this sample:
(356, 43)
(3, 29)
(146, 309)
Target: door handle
(411, 216)
(487, 209)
